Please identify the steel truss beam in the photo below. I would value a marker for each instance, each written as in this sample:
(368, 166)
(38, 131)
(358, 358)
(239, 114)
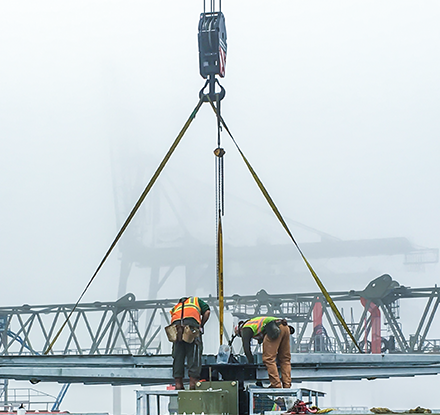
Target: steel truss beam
(150, 370)
(130, 326)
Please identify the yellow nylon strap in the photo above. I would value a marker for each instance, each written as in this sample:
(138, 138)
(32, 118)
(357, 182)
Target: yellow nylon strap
(220, 277)
(284, 224)
(131, 215)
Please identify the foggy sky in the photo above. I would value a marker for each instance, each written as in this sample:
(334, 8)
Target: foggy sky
(334, 103)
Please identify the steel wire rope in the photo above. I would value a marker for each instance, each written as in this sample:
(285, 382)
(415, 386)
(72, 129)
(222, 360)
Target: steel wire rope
(130, 216)
(284, 224)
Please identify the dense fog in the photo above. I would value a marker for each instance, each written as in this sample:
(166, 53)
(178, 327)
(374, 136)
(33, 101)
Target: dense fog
(335, 105)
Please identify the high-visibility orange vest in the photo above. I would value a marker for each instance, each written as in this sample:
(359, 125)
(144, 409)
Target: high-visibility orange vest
(257, 324)
(191, 309)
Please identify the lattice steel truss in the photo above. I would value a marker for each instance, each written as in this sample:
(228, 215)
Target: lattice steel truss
(130, 326)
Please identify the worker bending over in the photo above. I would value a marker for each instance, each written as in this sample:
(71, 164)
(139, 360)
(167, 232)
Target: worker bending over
(274, 333)
(188, 317)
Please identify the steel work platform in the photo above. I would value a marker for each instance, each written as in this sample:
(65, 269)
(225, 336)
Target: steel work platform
(149, 401)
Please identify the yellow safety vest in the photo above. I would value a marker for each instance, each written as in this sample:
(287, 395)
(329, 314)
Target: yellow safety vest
(257, 324)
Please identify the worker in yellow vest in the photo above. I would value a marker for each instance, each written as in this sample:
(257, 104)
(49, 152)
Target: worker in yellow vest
(188, 317)
(274, 333)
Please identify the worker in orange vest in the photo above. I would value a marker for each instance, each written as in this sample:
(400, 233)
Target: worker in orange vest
(189, 317)
(274, 333)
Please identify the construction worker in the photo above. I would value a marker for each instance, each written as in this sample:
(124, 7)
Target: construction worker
(188, 318)
(274, 333)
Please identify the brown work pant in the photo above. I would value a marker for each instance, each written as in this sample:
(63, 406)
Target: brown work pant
(278, 349)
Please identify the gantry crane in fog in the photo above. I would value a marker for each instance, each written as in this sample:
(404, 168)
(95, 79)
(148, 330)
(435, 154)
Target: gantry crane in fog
(114, 342)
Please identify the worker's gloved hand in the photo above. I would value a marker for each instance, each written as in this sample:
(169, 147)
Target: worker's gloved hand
(202, 330)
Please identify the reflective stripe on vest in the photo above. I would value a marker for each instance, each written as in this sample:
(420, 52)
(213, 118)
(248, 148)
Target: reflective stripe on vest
(190, 310)
(257, 324)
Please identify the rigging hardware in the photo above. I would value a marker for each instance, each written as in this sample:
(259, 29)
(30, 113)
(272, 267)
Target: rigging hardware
(212, 62)
(212, 51)
(212, 55)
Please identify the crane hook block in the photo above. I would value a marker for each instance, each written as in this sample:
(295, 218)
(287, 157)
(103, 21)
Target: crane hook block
(212, 44)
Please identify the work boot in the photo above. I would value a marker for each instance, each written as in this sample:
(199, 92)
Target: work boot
(179, 383)
(192, 383)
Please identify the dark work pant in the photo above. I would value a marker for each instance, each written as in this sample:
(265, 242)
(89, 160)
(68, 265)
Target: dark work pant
(192, 352)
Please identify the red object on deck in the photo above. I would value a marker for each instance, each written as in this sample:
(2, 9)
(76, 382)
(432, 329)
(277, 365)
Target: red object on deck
(300, 407)
(376, 339)
(317, 315)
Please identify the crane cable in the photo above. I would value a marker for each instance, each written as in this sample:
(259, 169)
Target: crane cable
(220, 204)
(212, 5)
(284, 224)
(130, 216)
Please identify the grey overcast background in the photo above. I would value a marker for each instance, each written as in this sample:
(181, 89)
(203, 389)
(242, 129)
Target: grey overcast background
(335, 103)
